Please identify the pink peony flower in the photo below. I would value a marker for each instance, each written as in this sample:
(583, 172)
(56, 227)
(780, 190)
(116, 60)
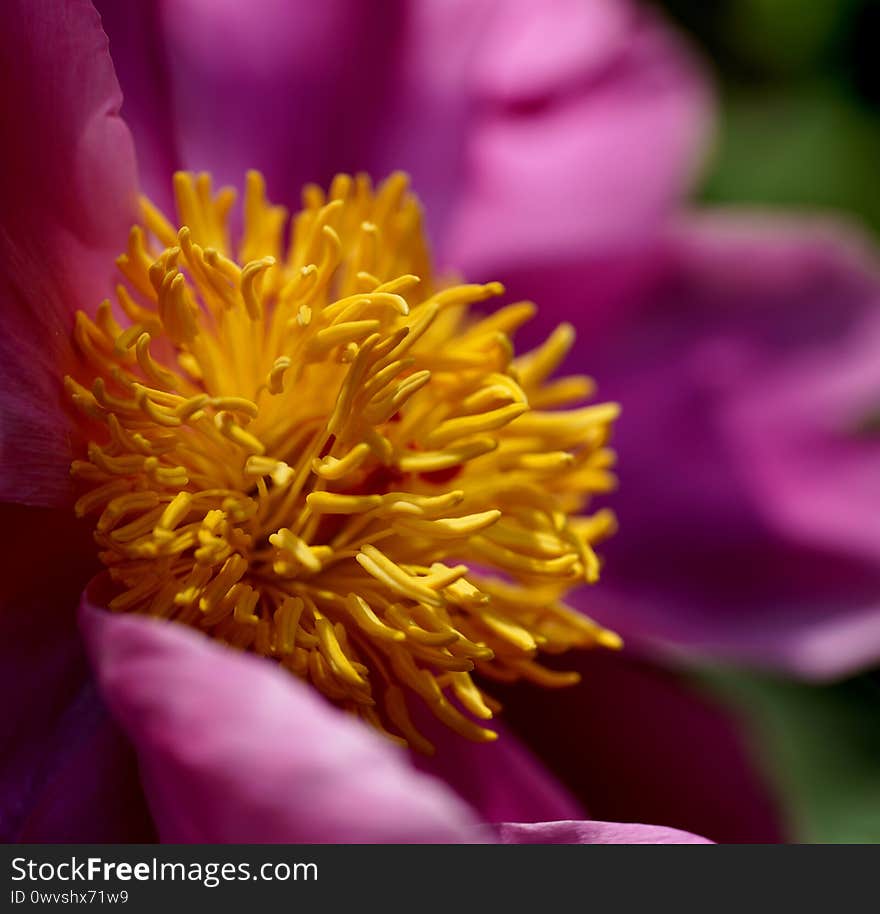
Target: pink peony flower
(228, 746)
(552, 148)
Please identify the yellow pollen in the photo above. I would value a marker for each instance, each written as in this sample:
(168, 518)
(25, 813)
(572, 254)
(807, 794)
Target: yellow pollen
(315, 452)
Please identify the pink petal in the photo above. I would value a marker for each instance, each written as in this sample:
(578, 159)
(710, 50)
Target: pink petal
(594, 119)
(585, 832)
(300, 90)
(536, 131)
(743, 371)
(797, 426)
(66, 201)
(234, 749)
(809, 613)
(139, 56)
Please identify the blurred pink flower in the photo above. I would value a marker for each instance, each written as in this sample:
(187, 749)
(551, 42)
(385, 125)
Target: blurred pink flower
(748, 502)
(545, 141)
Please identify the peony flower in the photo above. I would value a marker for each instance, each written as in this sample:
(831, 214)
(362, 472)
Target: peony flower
(720, 366)
(297, 451)
(233, 746)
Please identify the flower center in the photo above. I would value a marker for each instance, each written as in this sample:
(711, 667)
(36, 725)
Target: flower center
(323, 457)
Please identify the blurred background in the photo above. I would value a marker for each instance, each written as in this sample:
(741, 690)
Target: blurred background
(800, 92)
(799, 84)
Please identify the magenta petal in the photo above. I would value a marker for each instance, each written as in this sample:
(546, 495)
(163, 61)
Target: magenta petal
(137, 46)
(516, 62)
(594, 117)
(585, 832)
(806, 612)
(743, 372)
(234, 749)
(66, 200)
(805, 426)
(301, 90)
(531, 130)
(295, 89)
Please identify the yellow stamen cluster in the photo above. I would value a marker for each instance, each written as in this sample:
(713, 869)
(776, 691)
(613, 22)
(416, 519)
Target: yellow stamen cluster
(325, 457)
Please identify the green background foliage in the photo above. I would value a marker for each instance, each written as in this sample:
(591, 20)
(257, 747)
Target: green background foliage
(799, 86)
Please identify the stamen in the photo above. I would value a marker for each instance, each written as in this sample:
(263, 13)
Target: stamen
(325, 458)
